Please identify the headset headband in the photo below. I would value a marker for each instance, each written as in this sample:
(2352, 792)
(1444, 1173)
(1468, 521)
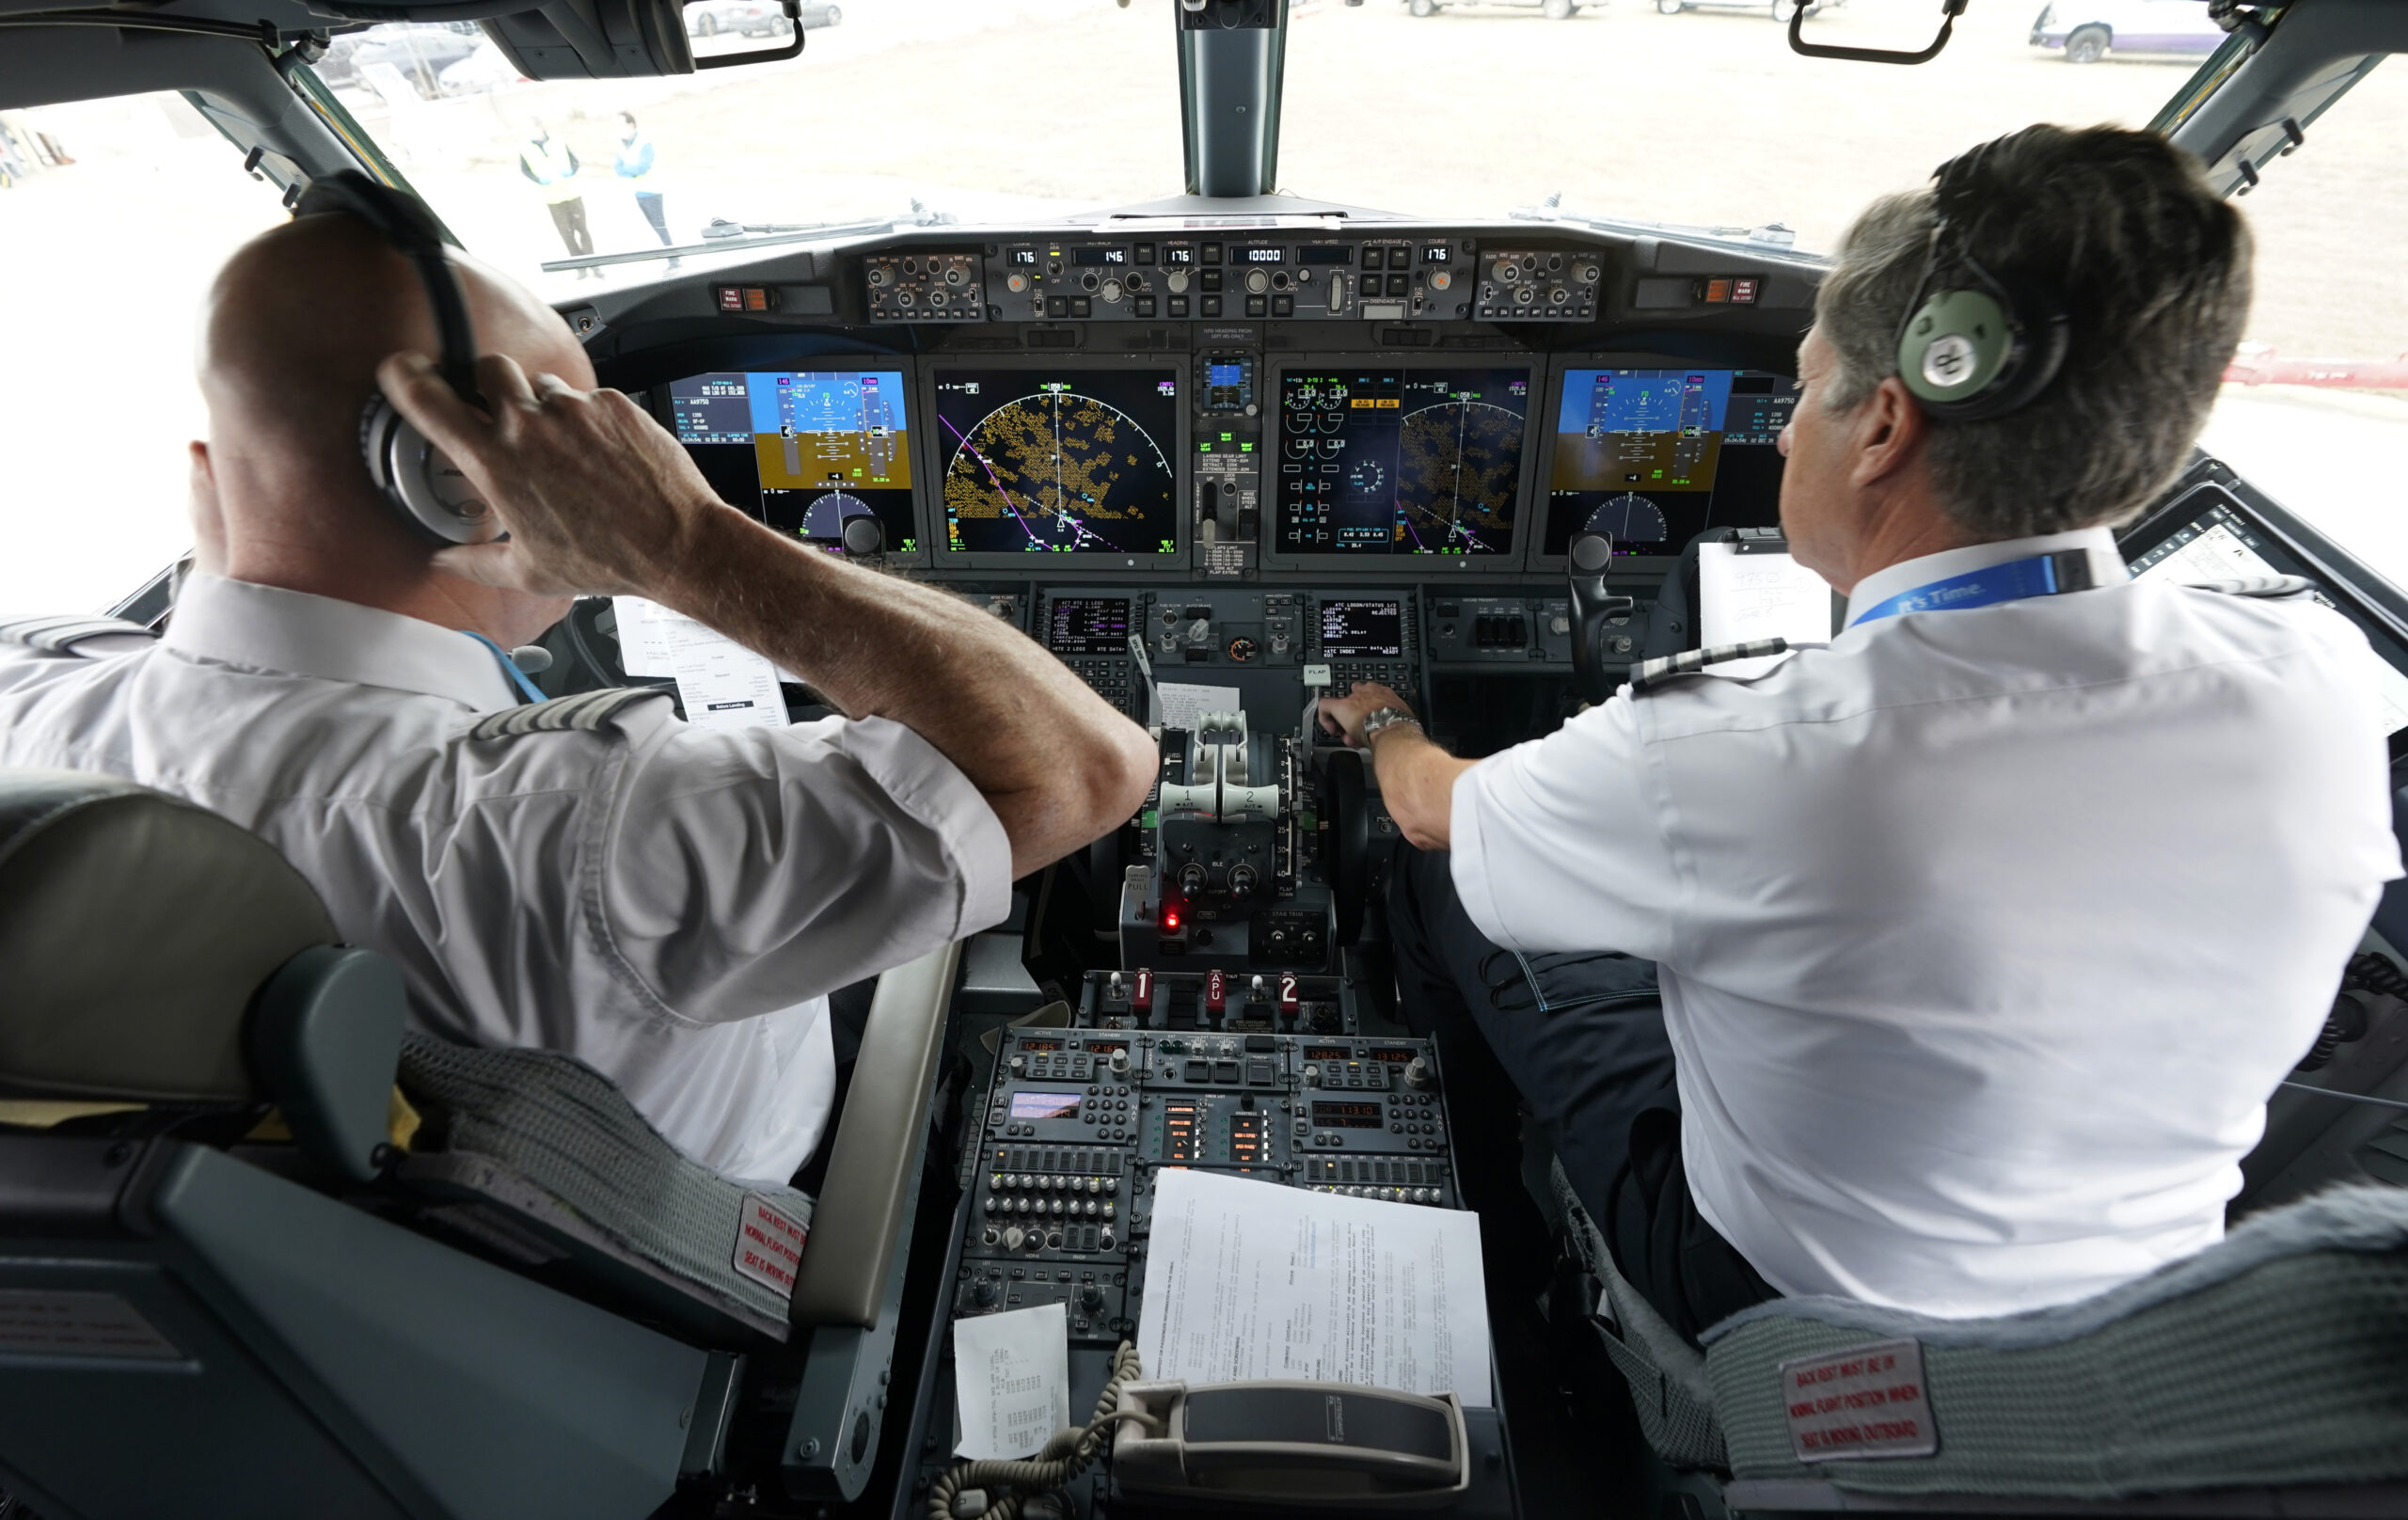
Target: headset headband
(404, 222)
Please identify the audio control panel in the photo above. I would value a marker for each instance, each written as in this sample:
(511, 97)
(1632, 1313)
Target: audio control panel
(1078, 1122)
(1536, 285)
(926, 287)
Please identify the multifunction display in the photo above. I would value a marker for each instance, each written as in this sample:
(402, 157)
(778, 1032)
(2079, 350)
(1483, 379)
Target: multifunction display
(1088, 625)
(804, 450)
(1362, 630)
(1077, 462)
(1655, 457)
(1400, 460)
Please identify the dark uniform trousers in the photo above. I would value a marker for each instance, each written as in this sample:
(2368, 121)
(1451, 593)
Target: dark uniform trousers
(1580, 1039)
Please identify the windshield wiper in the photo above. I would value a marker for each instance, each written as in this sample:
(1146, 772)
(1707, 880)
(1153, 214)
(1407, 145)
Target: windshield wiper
(1771, 235)
(723, 236)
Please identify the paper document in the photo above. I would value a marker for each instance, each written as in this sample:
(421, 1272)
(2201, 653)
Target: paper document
(1184, 706)
(1011, 1379)
(1248, 1281)
(1752, 596)
(721, 683)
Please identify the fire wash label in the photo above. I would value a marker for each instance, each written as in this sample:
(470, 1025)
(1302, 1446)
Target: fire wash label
(768, 1246)
(1864, 1402)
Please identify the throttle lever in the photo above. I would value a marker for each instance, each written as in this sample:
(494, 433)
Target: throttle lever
(1592, 607)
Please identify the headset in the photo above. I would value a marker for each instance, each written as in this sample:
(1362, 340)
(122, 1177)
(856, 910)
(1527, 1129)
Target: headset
(1975, 345)
(429, 491)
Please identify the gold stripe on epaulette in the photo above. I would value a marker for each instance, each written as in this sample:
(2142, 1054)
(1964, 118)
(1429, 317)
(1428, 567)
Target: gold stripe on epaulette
(585, 712)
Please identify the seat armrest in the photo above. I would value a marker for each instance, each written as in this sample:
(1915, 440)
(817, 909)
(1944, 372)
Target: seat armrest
(878, 1146)
(324, 1038)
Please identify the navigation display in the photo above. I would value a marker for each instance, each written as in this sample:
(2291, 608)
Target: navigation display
(1362, 630)
(1075, 462)
(1088, 625)
(1656, 457)
(1400, 460)
(803, 450)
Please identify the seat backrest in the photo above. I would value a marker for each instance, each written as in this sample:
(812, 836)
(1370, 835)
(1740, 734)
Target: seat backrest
(135, 932)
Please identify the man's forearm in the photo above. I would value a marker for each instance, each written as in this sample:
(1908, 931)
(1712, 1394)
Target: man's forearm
(1417, 784)
(1015, 721)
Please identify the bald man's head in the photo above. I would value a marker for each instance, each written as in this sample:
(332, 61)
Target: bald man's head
(291, 337)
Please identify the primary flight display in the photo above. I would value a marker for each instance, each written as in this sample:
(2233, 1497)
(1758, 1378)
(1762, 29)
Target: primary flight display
(1077, 462)
(1400, 460)
(804, 450)
(1656, 457)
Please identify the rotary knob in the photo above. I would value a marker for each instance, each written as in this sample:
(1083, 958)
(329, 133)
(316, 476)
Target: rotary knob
(1120, 1063)
(1111, 291)
(1013, 1237)
(1241, 649)
(984, 1294)
(1177, 281)
(1440, 280)
(1257, 282)
(1106, 1241)
(1016, 284)
(1091, 1297)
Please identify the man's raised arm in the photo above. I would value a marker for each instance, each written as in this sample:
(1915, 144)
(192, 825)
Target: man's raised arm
(599, 499)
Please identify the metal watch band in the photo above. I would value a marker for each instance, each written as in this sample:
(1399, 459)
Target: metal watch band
(1379, 718)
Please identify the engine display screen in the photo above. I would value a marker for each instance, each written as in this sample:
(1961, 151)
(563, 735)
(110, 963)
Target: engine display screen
(1075, 462)
(805, 450)
(1362, 630)
(1044, 1105)
(1088, 625)
(1401, 461)
(1329, 1116)
(1655, 457)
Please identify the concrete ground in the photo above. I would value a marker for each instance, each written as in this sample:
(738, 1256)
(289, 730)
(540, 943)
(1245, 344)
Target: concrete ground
(991, 109)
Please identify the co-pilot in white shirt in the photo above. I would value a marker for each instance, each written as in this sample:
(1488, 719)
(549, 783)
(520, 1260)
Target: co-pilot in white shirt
(1984, 934)
(670, 904)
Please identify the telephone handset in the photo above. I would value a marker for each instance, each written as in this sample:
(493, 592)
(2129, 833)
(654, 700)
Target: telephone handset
(1327, 1445)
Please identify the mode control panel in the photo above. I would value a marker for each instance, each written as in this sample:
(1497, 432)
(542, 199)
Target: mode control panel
(1533, 285)
(926, 287)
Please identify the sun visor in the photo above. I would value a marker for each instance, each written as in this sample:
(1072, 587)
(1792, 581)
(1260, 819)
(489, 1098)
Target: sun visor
(596, 40)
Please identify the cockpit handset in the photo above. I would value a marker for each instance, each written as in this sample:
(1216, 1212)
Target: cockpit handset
(427, 489)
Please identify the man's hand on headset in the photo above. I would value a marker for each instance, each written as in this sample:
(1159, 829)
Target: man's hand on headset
(596, 497)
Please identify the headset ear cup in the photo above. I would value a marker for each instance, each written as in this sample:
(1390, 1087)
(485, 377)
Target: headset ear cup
(2036, 334)
(422, 487)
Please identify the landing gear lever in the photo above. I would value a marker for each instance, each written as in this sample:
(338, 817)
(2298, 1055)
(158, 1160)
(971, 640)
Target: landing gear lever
(1592, 608)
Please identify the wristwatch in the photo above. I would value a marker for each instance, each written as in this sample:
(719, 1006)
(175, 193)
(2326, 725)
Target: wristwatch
(1380, 718)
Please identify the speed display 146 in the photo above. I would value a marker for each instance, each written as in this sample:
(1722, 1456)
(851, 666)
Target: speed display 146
(1077, 462)
(1401, 461)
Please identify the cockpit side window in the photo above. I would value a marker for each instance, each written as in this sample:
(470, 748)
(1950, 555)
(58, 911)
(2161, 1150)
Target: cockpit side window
(114, 215)
(2315, 408)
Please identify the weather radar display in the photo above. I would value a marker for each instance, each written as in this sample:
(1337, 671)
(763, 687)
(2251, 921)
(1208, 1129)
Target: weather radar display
(1652, 458)
(1404, 461)
(1071, 463)
(806, 450)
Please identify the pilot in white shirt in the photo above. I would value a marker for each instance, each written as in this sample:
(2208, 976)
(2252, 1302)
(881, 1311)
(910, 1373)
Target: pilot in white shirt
(1983, 934)
(670, 903)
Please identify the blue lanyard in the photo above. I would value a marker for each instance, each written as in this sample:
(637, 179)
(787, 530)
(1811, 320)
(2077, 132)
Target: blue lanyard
(518, 677)
(2043, 575)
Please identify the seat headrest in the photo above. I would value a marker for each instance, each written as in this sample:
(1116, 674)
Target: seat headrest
(134, 929)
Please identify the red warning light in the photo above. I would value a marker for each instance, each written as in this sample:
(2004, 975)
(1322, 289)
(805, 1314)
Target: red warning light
(1170, 920)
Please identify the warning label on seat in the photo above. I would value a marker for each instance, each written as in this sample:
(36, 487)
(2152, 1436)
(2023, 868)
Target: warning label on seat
(768, 1246)
(1865, 1401)
(42, 1322)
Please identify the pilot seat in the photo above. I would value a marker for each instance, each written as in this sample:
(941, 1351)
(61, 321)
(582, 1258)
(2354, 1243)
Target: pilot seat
(265, 1252)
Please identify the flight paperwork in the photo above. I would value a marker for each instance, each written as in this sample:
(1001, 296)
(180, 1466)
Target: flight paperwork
(1248, 1281)
(1752, 590)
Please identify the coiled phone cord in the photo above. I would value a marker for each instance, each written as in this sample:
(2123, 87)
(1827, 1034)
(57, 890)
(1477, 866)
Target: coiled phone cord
(1066, 1456)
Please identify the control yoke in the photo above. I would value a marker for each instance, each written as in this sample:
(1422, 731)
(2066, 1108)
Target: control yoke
(1591, 606)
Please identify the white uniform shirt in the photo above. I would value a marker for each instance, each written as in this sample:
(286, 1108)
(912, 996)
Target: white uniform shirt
(1984, 934)
(670, 904)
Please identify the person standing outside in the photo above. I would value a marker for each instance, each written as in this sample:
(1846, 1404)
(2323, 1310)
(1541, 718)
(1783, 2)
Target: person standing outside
(551, 164)
(635, 164)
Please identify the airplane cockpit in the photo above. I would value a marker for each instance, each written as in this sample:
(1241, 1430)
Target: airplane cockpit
(1149, 1199)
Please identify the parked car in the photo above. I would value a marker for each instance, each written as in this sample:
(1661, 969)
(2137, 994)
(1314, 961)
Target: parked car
(421, 51)
(2088, 30)
(1552, 10)
(756, 18)
(1780, 10)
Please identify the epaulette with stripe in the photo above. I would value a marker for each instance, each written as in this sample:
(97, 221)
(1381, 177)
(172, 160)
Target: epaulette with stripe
(60, 635)
(584, 712)
(2265, 588)
(1657, 672)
